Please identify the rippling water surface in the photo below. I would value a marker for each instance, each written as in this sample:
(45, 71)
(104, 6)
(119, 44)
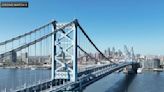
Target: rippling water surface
(10, 79)
(115, 82)
(119, 82)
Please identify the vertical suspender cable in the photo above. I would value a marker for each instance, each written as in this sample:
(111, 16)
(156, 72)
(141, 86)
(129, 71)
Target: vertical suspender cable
(21, 62)
(30, 60)
(25, 62)
(41, 56)
(35, 59)
(12, 45)
(44, 51)
(29, 74)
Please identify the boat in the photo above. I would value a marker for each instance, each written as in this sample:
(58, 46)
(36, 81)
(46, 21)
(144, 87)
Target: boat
(139, 70)
(32, 68)
(158, 69)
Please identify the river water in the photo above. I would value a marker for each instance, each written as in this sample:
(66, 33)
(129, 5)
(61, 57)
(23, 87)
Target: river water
(11, 79)
(115, 82)
(119, 82)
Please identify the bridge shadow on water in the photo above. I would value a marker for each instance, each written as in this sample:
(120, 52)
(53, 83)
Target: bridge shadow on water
(123, 84)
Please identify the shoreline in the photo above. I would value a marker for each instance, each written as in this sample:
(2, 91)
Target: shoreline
(32, 67)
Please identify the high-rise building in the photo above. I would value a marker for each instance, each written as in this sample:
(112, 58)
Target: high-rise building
(11, 58)
(24, 57)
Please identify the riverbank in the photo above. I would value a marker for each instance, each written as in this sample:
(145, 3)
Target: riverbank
(154, 69)
(32, 67)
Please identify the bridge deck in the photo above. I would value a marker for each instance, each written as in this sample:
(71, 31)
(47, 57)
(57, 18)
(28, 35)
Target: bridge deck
(85, 78)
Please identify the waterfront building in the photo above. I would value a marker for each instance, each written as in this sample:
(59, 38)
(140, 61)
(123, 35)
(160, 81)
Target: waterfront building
(151, 64)
(24, 57)
(11, 58)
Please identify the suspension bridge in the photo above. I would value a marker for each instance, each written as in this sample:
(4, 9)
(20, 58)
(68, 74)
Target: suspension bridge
(65, 48)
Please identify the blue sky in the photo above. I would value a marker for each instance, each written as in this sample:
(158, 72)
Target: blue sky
(137, 23)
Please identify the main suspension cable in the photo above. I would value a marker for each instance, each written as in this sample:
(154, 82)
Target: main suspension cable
(87, 53)
(92, 42)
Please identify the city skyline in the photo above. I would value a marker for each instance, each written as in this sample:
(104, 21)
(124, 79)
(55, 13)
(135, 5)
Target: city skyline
(134, 23)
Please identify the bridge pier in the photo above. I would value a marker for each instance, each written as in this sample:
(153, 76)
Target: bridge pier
(131, 69)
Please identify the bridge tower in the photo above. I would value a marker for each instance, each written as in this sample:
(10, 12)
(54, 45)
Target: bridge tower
(64, 52)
